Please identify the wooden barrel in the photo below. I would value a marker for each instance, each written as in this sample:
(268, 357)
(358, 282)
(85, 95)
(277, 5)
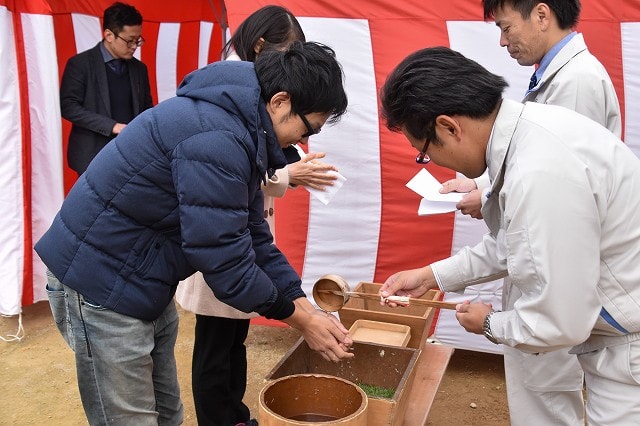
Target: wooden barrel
(310, 399)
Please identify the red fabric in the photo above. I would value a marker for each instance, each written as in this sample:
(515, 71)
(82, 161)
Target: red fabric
(603, 39)
(269, 322)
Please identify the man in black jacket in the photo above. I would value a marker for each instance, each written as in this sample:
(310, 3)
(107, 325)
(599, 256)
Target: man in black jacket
(105, 87)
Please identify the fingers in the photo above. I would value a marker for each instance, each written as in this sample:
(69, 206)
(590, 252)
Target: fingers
(458, 185)
(388, 287)
(449, 186)
(471, 315)
(314, 155)
(471, 204)
(336, 354)
(335, 342)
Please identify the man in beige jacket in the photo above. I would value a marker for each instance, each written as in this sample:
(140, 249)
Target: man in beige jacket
(546, 389)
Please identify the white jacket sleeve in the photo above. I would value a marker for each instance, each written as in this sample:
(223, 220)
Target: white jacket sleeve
(470, 266)
(277, 184)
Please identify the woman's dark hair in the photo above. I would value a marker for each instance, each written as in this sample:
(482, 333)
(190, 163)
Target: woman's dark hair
(309, 73)
(275, 24)
(433, 82)
(567, 11)
(118, 15)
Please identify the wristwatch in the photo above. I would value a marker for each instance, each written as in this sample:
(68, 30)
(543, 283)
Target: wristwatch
(486, 327)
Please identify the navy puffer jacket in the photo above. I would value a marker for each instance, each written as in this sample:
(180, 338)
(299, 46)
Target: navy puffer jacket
(178, 191)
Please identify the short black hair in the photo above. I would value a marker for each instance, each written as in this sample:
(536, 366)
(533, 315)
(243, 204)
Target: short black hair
(309, 73)
(436, 81)
(275, 24)
(567, 11)
(118, 15)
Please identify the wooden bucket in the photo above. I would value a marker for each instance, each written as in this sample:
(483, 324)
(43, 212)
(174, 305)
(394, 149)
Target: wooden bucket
(310, 399)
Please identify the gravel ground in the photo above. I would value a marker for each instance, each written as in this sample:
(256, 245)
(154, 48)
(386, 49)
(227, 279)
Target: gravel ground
(38, 382)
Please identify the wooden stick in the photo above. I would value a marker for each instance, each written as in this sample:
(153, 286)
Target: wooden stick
(400, 300)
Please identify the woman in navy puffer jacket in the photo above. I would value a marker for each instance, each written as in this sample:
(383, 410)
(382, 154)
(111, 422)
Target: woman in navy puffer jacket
(178, 191)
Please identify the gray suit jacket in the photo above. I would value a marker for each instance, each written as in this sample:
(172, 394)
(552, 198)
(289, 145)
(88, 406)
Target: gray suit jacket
(84, 101)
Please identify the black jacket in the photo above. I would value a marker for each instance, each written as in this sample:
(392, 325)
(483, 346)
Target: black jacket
(84, 101)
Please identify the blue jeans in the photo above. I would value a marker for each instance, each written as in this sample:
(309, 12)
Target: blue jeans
(126, 367)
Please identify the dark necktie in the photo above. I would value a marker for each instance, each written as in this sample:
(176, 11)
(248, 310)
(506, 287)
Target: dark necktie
(533, 81)
(117, 65)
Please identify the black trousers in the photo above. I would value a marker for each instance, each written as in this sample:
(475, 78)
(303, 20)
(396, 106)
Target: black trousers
(219, 370)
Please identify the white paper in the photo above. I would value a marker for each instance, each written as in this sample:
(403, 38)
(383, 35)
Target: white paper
(329, 190)
(433, 202)
(428, 207)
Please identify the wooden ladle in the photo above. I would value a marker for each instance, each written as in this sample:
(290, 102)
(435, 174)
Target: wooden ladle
(331, 292)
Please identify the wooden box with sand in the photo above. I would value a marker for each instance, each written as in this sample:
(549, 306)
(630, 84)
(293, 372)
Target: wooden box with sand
(385, 373)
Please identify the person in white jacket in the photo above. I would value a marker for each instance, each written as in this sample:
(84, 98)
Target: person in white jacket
(219, 364)
(563, 212)
(546, 389)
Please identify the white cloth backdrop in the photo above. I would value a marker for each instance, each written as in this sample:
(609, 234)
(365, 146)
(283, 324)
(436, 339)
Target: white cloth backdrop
(370, 228)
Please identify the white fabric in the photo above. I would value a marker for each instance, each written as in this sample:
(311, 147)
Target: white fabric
(11, 196)
(612, 374)
(166, 64)
(539, 398)
(630, 33)
(345, 146)
(87, 31)
(204, 42)
(46, 134)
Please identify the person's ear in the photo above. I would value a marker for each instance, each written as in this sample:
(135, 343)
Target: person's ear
(448, 126)
(259, 45)
(108, 35)
(279, 103)
(542, 15)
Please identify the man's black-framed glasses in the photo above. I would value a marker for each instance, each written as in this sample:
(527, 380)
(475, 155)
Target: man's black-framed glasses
(131, 43)
(310, 130)
(423, 158)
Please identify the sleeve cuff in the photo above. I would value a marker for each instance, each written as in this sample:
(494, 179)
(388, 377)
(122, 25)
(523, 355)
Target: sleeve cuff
(280, 309)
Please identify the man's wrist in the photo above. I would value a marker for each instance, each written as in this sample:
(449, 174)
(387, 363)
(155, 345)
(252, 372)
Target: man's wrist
(486, 327)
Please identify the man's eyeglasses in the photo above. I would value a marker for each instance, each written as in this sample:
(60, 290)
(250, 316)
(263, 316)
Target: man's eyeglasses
(310, 130)
(131, 43)
(423, 158)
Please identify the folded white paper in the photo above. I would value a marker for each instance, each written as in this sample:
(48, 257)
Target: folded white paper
(329, 190)
(433, 202)
(428, 207)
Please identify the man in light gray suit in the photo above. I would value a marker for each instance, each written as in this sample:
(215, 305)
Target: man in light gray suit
(545, 388)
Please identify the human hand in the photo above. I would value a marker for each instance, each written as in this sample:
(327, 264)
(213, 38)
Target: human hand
(471, 315)
(311, 172)
(117, 128)
(458, 185)
(471, 204)
(412, 283)
(322, 331)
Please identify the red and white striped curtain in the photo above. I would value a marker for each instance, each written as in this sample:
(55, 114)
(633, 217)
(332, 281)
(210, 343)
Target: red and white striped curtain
(370, 229)
(36, 39)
